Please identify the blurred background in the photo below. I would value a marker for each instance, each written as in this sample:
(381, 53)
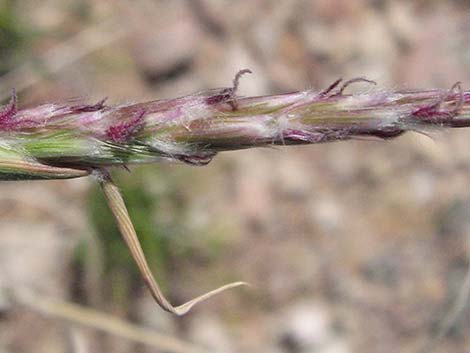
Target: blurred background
(350, 247)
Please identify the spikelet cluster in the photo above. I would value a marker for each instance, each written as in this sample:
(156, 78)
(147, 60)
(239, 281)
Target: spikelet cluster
(194, 128)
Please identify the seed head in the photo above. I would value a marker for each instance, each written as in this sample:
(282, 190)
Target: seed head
(194, 128)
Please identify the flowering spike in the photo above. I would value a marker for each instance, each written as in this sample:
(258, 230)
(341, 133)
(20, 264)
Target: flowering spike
(194, 128)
